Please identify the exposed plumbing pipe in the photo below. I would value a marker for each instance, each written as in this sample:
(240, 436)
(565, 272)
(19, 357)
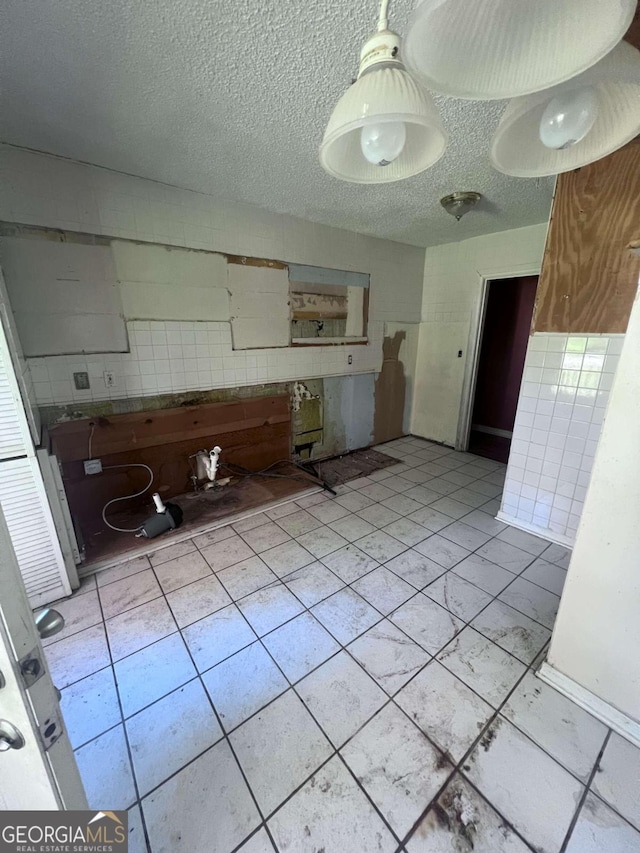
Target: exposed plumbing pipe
(212, 464)
(160, 507)
(207, 465)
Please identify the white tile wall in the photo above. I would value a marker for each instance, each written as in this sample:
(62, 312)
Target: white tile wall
(181, 356)
(561, 408)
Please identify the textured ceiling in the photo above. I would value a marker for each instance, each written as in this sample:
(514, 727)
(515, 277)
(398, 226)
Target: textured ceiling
(231, 99)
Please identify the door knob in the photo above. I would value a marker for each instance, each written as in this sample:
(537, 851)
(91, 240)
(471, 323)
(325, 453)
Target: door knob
(10, 737)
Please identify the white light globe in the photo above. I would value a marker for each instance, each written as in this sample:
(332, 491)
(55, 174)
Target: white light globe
(568, 118)
(383, 142)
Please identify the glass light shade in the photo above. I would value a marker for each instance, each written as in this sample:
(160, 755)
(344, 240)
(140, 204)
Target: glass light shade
(517, 148)
(493, 49)
(381, 95)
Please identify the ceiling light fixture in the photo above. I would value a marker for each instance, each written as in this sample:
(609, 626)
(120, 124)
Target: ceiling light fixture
(386, 126)
(494, 49)
(457, 204)
(573, 124)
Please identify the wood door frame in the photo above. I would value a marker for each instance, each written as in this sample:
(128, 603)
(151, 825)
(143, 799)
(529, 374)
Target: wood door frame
(476, 330)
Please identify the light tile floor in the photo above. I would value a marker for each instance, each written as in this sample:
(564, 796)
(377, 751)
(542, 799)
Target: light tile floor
(347, 675)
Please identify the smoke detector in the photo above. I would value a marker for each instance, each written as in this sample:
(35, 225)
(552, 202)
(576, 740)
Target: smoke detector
(457, 204)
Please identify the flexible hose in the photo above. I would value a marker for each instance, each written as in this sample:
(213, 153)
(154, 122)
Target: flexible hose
(126, 497)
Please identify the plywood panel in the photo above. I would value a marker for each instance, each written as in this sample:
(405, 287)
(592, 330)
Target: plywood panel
(253, 433)
(140, 430)
(589, 277)
(633, 33)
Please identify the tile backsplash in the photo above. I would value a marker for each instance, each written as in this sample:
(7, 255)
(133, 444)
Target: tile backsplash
(176, 356)
(563, 398)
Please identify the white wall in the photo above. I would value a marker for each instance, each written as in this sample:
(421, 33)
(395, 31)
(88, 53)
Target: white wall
(46, 191)
(597, 633)
(451, 301)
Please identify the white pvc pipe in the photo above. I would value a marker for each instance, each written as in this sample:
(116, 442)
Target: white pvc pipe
(160, 507)
(213, 462)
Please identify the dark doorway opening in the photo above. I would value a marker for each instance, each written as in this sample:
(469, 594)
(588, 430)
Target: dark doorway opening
(505, 334)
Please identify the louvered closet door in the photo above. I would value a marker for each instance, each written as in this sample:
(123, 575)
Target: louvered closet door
(15, 439)
(28, 517)
(23, 497)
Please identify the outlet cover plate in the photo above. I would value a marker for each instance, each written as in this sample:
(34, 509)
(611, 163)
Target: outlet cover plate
(93, 466)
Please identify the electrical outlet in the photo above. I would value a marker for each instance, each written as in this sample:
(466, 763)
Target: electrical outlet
(109, 378)
(350, 360)
(92, 466)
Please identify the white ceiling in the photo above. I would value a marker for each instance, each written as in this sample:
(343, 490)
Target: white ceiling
(231, 99)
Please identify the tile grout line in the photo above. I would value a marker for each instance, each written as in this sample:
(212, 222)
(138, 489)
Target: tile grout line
(585, 793)
(459, 766)
(445, 571)
(489, 722)
(316, 559)
(226, 735)
(307, 609)
(336, 750)
(125, 734)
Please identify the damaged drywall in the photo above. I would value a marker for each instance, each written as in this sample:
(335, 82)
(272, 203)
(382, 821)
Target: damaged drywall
(332, 415)
(393, 400)
(308, 417)
(170, 283)
(357, 409)
(259, 304)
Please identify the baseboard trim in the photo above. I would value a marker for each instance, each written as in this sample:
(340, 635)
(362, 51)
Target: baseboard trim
(543, 532)
(502, 433)
(601, 710)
